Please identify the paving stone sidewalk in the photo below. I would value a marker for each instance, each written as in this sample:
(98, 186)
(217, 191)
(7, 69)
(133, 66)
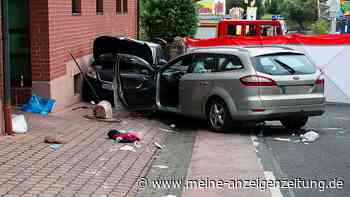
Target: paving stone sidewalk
(89, 164)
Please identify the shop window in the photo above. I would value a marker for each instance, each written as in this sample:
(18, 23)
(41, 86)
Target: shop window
(99, 7)
(76, 7)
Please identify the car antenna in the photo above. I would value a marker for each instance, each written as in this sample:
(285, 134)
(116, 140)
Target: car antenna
(84, 76)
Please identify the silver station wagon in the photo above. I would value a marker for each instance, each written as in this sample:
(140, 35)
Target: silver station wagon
(227, 85)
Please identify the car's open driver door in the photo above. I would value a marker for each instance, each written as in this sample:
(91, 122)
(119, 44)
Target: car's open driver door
(136, 84)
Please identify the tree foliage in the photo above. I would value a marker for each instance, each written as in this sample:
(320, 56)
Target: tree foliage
(273, 6)
(167, 19)
(302, 12)
(320, 27)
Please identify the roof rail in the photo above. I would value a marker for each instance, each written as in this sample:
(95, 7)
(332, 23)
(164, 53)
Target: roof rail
(220, 47)
(272, 46)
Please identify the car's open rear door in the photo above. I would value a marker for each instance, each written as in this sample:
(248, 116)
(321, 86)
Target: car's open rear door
(136, 84)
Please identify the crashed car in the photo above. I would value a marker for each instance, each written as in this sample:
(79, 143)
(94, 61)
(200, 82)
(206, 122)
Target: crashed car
(101, 74)
(226, 85)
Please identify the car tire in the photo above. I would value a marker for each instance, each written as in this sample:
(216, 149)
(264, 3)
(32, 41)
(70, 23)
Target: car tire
(294, 123)
(218, 115)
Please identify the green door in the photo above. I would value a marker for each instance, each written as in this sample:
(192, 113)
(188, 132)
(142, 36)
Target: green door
(19, 43)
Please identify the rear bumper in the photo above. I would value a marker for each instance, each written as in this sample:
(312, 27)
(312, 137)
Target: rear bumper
(278, 113)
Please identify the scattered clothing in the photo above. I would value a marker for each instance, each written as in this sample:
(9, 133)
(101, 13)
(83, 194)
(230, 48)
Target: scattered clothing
(123, 137)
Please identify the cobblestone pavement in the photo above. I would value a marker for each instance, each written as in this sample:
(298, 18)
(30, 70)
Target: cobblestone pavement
(89, 164)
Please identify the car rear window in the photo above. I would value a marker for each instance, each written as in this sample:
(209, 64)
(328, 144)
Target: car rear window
(284, 64)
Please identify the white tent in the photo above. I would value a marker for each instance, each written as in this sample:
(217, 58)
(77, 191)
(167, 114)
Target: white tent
(335, 61)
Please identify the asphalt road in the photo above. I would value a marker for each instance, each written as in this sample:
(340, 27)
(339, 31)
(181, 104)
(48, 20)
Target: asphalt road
(320, 162)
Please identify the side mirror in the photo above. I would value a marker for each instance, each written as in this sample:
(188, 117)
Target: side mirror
(162, 62)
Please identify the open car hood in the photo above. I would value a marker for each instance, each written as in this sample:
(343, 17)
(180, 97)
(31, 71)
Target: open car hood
(108, 44)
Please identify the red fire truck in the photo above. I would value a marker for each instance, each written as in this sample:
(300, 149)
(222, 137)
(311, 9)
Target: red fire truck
(241, 28)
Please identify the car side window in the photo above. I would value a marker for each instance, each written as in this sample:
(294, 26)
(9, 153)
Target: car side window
(130, 65)
(181, 65)
(234, 30)
(229, 62)
(203, 63)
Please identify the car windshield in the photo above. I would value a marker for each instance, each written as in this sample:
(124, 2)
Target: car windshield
(284, 64)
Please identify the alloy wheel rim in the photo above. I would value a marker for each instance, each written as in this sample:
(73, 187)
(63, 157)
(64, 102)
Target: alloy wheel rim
(217, 116)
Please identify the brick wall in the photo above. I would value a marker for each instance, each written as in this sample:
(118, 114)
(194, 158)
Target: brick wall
(55, 31)
(76, 33)
(39, 28)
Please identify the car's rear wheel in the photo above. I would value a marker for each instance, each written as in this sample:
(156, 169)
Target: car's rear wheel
(294, 122)
(218, 115)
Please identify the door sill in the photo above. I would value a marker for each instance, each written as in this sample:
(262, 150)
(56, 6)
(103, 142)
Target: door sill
(169, 109)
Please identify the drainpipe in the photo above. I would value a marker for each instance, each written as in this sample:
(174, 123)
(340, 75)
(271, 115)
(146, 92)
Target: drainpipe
(7, 71)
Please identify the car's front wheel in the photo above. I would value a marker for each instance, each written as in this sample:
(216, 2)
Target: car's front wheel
(294, 122)
(218, 115)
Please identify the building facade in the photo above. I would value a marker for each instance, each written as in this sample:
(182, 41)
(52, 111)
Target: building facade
(42, 32)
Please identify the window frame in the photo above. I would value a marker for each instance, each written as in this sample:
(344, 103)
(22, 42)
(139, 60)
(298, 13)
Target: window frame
(99, 7)
(219, 69)
(121, 7)
(201, 55)
(76, 7)
(187, 57)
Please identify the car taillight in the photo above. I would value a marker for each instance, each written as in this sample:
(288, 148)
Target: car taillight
(320, 80)
(257, 80)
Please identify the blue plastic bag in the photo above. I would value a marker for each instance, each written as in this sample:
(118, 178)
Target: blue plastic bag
(36, 104)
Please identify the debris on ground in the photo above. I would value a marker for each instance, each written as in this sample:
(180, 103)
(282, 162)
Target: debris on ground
(173, 126)
(92, 117)
(332, 129)
(161, 166)
(286, 140)
(137, 145)
(128, 148)
(103, 110)
(19, 124)
(80, 107)
(137, 114)
(36, 104)
(158, 146)
(167, 130)
(309, 136)
(54, 140)
(282, 139)
(56, 147)
(123, 136)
